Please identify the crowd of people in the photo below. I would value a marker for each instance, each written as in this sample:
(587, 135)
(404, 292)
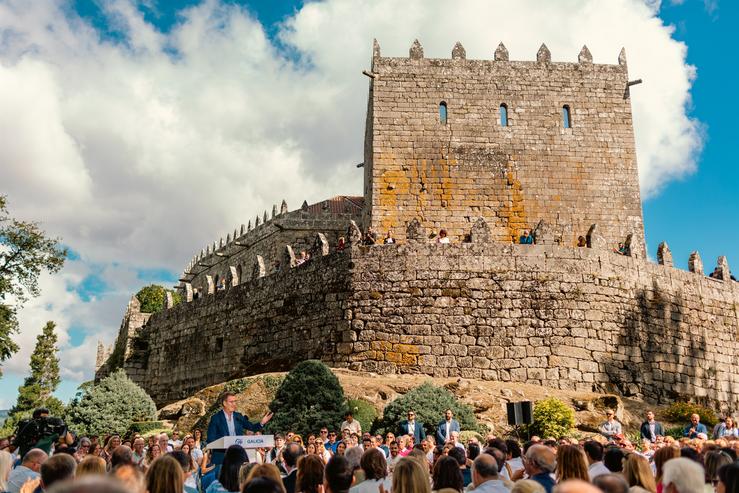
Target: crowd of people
(408, 460)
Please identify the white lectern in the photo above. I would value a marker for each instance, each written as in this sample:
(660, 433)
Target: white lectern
(248, 442)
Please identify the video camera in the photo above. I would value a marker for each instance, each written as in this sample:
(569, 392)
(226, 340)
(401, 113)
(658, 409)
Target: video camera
(32, 431)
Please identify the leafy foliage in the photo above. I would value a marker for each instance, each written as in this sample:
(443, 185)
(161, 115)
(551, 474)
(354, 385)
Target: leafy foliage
(310, 397)
(43, 380)
(465, 435)
(44, 377)
(111, 406)
(429, 403)
(152, 298)
(680, 412)
(552, 418)
(25, 252)
(364, 412)
(145, 427)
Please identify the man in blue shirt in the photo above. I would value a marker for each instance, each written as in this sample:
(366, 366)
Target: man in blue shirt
(526, 238)
(695, 427)
(540, 462)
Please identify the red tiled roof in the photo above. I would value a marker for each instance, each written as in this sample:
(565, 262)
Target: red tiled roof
(341, 204)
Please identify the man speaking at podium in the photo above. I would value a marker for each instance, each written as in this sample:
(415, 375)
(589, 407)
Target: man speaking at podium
(228, 422)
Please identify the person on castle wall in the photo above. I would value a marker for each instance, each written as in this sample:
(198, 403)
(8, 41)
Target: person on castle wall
(621, 250)
(221, 284)
(651, 429)
(302, 259)
(228, 422)
(526, 238)
(389, 240)
(582, 242)
(442, 238)
(412, 427)
(341, 244)
(695, 428)
(610, 427)
(276, 266)
(370, 237)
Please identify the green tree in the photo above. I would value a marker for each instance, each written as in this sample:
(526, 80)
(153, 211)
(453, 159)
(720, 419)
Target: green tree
(110, 406)
(43, 380)
(152, 298)
(429, 403)
(25, 252)
(310, 397)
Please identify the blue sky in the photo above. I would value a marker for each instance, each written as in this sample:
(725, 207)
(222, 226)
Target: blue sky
(150, 165)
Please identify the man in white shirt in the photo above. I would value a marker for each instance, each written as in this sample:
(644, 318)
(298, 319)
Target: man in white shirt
(446, 426)
(594, 454)
(351, 424)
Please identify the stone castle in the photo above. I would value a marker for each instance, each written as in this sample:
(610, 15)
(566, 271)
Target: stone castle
(483, 149)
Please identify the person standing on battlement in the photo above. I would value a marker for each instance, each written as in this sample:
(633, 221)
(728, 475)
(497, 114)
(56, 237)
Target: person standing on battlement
(389, 240)
(442, 238)
(526, 238)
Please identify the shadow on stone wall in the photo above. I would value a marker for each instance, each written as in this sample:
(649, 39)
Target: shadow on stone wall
(656, 354)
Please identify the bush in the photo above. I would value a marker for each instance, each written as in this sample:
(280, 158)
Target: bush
(310, 397)
(152, 298)
(110, 407)
(465, 436)
(429, 403)
(552, 418)
(364, 412)
(675, 432)
(145, 427)
(680, 412)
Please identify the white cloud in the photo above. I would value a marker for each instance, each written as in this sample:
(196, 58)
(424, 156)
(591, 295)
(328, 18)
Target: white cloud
(141, 157)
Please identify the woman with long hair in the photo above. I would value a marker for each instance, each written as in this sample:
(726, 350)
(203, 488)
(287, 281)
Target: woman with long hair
(165, 476)
(638, 473)
(151, 454)
(447, 477)
(112, 443)
(410, 477)
(571, 463)
(90, 466)
(197, 435)
(269, 471)
(713, 461)
(310, 474)
(340, 448)
(228, 479)
(660, 458)
(6, 464)
(728, 478)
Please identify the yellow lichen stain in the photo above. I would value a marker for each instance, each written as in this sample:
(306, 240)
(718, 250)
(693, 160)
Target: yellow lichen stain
(514, 212)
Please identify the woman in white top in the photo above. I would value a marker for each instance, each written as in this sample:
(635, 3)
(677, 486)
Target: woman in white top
(374, 466)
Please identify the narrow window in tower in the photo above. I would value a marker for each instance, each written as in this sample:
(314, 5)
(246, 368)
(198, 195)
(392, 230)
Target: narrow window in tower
(503, 115)
(566, 116)
(442, 113)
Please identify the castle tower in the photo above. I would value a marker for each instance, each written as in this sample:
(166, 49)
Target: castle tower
(450, 140)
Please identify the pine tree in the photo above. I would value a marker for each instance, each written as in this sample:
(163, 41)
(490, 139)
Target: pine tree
(44, 378)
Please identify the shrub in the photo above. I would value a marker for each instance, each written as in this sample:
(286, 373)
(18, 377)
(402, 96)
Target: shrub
(675, 432)
(110, 406)
(465, 436)
(145, 427)
(680, 412)
(152, 298)
(429, 403)
(552, 418)
(310, 397)
(364, 412)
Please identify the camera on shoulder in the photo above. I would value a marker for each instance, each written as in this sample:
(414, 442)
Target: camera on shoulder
(40, 428)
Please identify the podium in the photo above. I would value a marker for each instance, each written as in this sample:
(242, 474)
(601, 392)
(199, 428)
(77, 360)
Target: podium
(249, 442)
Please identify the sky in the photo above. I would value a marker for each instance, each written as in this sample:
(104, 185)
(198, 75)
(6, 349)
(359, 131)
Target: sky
(140, 131)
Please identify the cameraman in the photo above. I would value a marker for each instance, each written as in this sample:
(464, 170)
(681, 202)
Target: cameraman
(42, 432)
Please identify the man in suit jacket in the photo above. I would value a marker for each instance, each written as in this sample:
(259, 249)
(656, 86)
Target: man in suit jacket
(290, 455)
(412, 427)
(227, 422)
(651, 429)
(446, 427)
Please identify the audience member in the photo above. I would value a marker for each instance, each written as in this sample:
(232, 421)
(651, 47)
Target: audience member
(571, 463)
(228, 478)
(28, 469)
(728, 479)
(293, 451)
(56, 469)
(338, 475)
(613, 459)
(540, 462)
(262, 471)
(131, 478)
(638, 473)
(611, 483)
(165, 476)
(447, 477)
(695, 428)
(682, 475)
(374, 466)
(91, 466)
(485, 478)
(610, 427)
(310, 474)
(6, 464)
(410, 477)
(527, 486)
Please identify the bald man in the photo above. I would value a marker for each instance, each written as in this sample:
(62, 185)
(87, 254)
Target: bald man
(485, 477)
(540, 462)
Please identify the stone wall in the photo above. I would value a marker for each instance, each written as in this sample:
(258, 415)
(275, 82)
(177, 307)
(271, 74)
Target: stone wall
(449, 174)
(576, 318)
